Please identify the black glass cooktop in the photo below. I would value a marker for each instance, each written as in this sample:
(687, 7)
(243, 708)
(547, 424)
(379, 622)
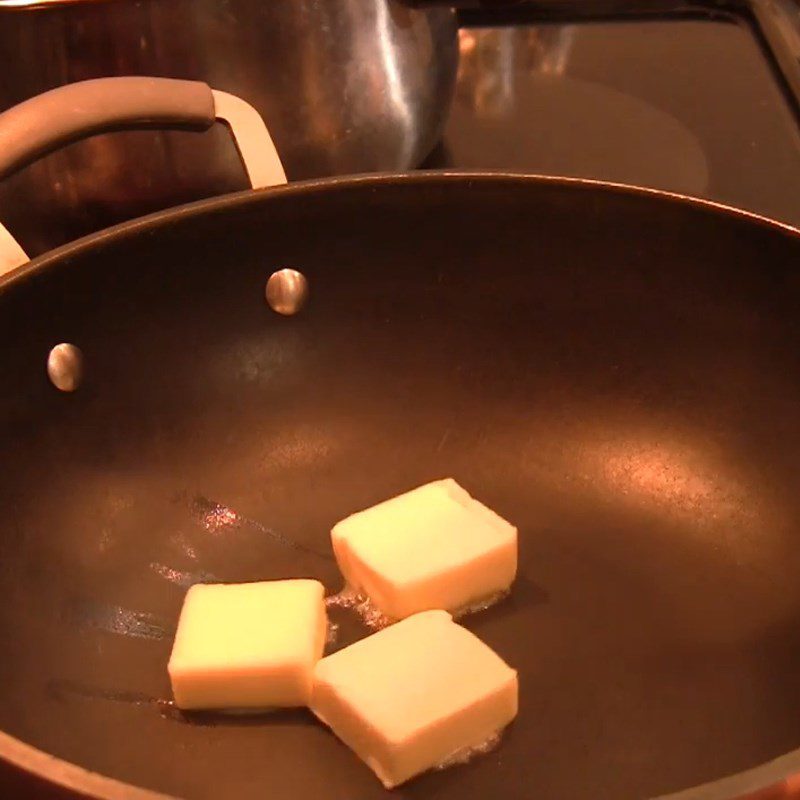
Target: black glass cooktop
(693, 102)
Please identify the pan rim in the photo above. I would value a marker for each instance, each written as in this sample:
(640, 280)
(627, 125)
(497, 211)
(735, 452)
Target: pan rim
(74, 778)
(219, 203)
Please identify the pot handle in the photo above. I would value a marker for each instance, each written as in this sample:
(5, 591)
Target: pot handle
(46, 122)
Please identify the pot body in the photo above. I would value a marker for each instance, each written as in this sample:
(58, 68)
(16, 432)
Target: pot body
(350, 86)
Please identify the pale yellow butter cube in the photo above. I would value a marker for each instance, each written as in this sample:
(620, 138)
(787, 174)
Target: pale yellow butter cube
(432, 547)
(248, 645)
(411, 696)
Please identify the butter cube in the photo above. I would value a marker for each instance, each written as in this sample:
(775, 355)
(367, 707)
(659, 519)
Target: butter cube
(248, 645)
(433, 547)
(415, 694)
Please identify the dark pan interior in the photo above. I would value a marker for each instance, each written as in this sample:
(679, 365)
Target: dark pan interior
(616, 373)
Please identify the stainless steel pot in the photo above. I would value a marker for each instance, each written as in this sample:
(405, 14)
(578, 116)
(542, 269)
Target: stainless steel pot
(344, 86)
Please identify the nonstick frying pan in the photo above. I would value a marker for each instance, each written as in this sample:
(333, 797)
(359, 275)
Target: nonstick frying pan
(615, 370)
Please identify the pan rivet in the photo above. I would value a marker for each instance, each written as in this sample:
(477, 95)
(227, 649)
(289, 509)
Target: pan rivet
(287, 291)
(65, 367)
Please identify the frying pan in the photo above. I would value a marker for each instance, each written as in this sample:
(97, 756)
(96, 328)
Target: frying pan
(615, 370)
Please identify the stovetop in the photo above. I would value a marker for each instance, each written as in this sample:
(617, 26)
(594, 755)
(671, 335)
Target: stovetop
(695, 103)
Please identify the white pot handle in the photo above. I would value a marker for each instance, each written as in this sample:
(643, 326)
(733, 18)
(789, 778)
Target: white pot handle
(46, 122)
